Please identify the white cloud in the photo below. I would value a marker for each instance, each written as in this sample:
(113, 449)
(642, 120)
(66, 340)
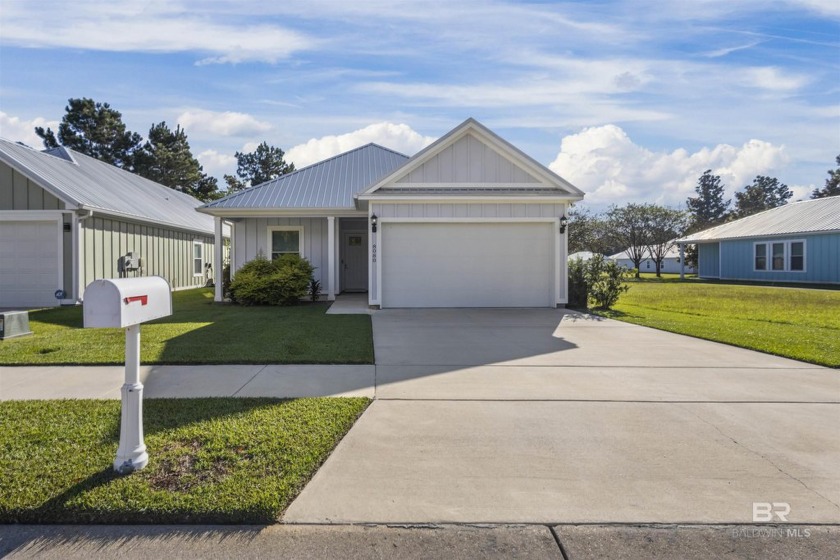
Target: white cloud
(227, 123)
(606, 164)
(399, 137)
(147, 27)
(217, 164)
(21, 130)
(774, 79)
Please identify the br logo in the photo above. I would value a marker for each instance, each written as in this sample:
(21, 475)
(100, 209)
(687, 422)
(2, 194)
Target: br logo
(763, 512)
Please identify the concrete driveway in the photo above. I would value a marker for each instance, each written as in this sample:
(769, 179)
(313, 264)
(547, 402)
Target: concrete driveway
(545, 416)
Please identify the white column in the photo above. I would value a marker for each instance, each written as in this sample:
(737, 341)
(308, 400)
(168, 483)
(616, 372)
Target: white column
(331, 258)
(131, 453)
(682, 261)
(218, 247)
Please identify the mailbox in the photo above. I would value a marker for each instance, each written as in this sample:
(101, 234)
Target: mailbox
(122, 302)
(127, 302)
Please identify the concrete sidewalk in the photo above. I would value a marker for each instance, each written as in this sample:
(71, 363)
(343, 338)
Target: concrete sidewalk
(539, 542)
(104, 382)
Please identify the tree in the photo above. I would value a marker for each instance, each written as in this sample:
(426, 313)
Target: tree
(588, 232)
(708, 208)
(96, 130)
(166, 158)
(263, 164)
(832, 184)
(628, 226)
(764, 193)
(665, 225)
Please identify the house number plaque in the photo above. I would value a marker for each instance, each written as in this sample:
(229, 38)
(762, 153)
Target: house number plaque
(373, 248)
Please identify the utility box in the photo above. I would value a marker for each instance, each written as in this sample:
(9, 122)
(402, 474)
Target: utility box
(122, 302)
(13, 324)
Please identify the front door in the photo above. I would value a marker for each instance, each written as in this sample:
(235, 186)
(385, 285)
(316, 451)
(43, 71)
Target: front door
(354, 265)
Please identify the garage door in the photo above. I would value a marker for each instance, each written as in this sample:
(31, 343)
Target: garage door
(28, 264)
(467, 264)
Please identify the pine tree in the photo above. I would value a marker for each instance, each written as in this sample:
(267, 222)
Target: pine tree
(708, 208)
(832, 184)
(764, 193)
(253, 168)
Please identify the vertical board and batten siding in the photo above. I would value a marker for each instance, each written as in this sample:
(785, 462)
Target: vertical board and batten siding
(19, 193)
(708, 260)
(469, 160)
(465, 210)
(250, 237)
(822, 260)
(164, 252)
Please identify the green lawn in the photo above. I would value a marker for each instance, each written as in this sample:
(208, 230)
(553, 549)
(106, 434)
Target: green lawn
(210, 460)
(201, 332)
(798, 323)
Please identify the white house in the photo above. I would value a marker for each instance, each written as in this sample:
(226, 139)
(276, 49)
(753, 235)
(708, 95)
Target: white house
(67, 219)
(470, 221)
(671, 263)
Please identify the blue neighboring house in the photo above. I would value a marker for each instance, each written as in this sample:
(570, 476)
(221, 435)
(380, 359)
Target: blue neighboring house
(798, 242)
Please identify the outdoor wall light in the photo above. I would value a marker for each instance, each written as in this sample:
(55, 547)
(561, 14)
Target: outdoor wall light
(564, 221)
(373, 220)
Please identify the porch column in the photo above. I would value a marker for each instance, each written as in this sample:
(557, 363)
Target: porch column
(218, 248)
(682, 261)
(330, 258)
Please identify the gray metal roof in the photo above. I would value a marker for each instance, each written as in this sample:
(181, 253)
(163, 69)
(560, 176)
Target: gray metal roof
(332, 183)
(85, 182)
(809, 216)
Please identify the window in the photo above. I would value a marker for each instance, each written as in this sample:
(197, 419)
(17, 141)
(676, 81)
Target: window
(284, 240)
(198, 258)
(797, 256)
(780, 256)
(760, 256)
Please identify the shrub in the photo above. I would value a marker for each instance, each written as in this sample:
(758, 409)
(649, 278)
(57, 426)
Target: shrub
(578, 286)
(314, 289)
(606, 281)
(597, 281)
(283, 281)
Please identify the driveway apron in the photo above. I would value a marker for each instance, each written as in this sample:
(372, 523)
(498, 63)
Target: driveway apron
(548, 416)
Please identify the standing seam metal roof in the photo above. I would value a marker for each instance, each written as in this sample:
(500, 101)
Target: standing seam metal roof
(807, 216)
(83, 181)
(331, 183)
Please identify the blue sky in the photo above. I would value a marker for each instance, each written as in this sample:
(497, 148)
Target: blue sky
(631, 101)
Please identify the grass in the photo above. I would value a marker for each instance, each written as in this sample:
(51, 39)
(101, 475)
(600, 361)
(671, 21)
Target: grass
(200, 332)
(211, 460)
(798, 323)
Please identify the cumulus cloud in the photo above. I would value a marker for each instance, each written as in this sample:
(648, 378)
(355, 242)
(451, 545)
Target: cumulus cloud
(215, 163)
(22, 130)
(227, 123)
(606, 164)
(399, 137)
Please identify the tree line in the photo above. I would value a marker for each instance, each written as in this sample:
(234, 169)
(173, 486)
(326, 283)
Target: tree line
(97, 130)
(650, 230)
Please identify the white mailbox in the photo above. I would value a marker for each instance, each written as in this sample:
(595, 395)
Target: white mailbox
(122, 302)
(127, 302)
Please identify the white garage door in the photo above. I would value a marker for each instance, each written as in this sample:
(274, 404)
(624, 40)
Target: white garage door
(499, 264)
(28, 264)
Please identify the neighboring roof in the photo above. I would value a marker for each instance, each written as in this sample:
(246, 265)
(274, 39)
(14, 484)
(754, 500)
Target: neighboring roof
(673, 253)
(472, 126)
(808, 216)
(83, 182)
(582, 255)
(332, 183)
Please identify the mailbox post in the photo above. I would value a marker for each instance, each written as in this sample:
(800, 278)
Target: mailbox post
(126, 303)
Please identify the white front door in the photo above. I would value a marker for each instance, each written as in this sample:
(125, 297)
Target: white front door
(354, 265)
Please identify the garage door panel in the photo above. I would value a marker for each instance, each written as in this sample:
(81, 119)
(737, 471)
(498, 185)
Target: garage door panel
(28, 263)
(503, 264)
